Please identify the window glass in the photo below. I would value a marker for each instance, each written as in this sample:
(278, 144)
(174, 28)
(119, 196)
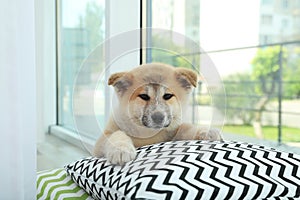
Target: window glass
(219, 25)
(81, 28)
(238, 37)
(255, 48)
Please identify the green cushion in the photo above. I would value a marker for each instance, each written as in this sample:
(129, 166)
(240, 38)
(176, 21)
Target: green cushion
(56, 184)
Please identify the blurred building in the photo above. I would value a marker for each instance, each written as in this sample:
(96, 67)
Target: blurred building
(74, 49)
(279, 21)
(192, 19)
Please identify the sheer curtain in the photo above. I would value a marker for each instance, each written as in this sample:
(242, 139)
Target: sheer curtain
(17, 100)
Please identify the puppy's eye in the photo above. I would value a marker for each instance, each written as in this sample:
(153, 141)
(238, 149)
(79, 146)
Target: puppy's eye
(145, 97)
(167, 96)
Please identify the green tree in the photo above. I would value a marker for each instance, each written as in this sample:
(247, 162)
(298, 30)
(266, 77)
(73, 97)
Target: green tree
(171, 53)
(240, 97)
(292, 74)
(265, 69)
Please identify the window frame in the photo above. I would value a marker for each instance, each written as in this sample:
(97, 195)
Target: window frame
(46, 66)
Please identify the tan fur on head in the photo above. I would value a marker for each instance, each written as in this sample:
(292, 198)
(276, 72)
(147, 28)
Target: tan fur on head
(114, 77)
(186, 77)
(121, 81)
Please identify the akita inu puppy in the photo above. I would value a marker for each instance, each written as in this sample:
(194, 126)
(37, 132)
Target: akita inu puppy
(152, 98)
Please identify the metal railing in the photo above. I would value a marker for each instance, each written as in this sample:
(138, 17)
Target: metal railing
(279, 95)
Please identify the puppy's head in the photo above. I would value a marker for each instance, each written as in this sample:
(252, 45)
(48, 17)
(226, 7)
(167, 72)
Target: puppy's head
(153, 95)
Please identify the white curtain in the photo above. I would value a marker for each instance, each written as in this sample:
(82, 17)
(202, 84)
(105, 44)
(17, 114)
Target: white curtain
(17, 100)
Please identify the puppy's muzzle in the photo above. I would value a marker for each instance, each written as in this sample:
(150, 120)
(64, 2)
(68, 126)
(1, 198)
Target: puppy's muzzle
(156, 120)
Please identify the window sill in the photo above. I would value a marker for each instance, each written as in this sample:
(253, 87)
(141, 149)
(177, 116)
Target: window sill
(72, 137)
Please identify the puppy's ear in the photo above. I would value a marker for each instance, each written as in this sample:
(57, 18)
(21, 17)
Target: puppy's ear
(121, 81)
(186, 77)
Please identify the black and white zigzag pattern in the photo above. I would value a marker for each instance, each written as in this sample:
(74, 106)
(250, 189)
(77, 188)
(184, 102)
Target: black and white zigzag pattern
(193, 170)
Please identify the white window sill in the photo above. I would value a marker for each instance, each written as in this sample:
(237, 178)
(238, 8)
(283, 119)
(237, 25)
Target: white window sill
(72, 137)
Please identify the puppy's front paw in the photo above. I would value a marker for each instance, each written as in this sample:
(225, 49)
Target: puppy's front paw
(209, 134)
(121, 154)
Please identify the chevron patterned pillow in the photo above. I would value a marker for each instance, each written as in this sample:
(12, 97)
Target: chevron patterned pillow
(193, 170)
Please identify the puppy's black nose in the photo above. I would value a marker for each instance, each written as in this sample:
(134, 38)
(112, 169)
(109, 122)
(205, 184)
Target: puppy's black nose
(157, 117)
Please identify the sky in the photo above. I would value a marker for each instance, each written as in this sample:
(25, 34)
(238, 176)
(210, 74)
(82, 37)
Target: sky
(229, 24)
(223, 25)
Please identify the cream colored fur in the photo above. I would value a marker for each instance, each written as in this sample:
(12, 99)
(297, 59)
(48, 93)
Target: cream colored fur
(125, 131)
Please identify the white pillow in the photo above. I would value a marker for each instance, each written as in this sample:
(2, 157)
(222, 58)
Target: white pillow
(192, 170)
